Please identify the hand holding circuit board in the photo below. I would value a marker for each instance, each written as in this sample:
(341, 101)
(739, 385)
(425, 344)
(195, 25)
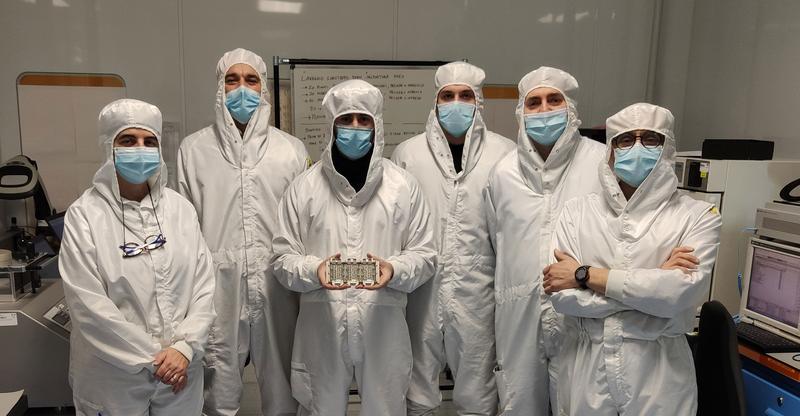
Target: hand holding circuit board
(371, 273)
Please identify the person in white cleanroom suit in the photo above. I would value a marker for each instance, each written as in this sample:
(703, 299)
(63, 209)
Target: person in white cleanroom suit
(234, 172)
(630, 315)
(451, 317)
(525, 193)
(356, 204)
(138, 279)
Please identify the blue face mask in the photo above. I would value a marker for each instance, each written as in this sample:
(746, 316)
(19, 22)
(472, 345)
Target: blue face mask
(136, 164)
(456, 117)
(633, 165)
(241, 103)
(353, 143)
(546, 128)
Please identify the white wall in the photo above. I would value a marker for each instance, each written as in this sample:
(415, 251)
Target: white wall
(137, 40)
(725, 67)
(672, 59)
(742, 77)
(166, 50)
(605, 45)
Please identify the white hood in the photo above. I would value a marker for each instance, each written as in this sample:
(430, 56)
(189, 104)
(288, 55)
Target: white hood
(114, 118)
(242, 150)
(660, 185)
(354, 96)
(531, 163)
(457, 73)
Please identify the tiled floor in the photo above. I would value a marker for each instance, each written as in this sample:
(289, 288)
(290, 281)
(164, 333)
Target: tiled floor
(251, 403)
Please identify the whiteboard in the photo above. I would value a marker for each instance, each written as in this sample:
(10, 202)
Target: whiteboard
(408, 95)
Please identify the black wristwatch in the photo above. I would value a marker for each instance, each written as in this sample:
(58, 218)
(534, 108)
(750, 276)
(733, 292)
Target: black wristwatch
(582, 276)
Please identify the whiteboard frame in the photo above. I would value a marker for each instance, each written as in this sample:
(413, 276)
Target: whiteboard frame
(292, 62)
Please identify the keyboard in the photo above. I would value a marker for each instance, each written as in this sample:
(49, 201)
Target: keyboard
(765, 340)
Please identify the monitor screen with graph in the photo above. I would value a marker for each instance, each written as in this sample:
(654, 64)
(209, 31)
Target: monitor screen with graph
(772, 286)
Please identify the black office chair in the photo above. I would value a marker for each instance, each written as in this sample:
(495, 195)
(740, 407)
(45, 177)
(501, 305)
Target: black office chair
(716, 360)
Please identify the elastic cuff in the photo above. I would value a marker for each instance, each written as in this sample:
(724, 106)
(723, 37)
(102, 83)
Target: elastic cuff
(616, 284)
(398, 276)
(311, 265)
(184, 349)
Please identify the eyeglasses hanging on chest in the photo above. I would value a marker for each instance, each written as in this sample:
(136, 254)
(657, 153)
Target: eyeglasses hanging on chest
(153, 242)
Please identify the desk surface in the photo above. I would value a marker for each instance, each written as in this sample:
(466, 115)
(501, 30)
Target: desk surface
(790, 358)
(770, 362)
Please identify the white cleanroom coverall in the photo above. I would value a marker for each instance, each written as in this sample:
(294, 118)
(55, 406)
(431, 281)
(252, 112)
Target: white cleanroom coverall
(630, 354)
(353, 332)
(126, 310)
(235, 182)
(451, 317)
(525, 194)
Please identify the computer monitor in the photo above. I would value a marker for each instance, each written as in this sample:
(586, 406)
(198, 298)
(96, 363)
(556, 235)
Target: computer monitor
(42, 246)
(772, 286)
(56, 223)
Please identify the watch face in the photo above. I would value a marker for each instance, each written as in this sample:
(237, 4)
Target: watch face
(581, 273)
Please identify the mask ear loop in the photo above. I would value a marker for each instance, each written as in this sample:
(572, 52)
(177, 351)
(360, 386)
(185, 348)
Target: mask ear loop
(155, 212)
(121, 204)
